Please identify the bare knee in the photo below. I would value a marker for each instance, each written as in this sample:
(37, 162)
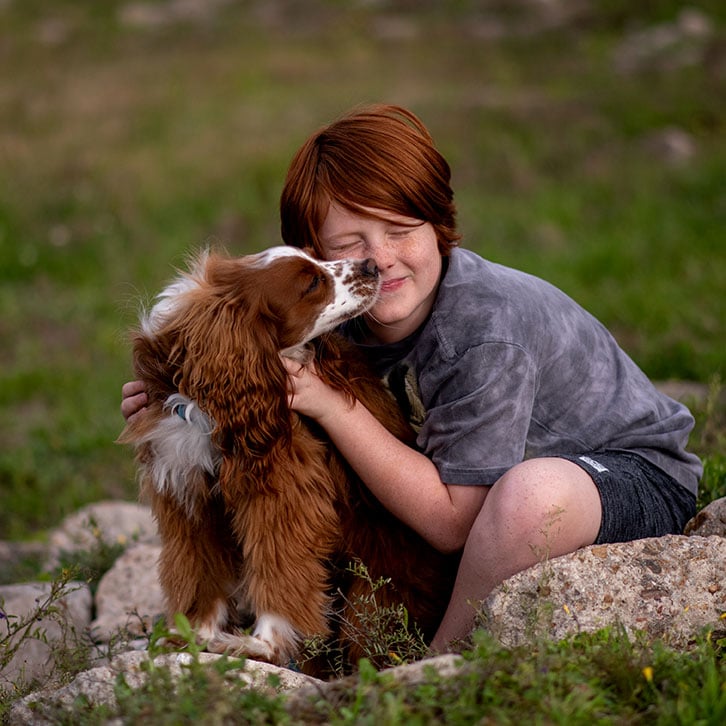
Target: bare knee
(552, 502)
(533, 487)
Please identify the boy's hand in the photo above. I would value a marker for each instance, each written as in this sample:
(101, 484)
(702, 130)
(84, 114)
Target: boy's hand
(133, 400)
(306, 393)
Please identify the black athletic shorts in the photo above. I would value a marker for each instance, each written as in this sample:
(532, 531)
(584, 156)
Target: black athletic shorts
(638, 499)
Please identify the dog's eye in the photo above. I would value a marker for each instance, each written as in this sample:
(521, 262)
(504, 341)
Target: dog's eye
(314, 284)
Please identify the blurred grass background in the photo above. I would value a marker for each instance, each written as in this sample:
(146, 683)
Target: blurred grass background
(586, 141)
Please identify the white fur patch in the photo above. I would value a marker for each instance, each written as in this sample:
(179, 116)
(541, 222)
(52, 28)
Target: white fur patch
(271, 254)
(270, 627)
(349, 298)
(212, 628)
(273, 640)
(182, 451)
(153, 320)
(166, 301)
(279, 633)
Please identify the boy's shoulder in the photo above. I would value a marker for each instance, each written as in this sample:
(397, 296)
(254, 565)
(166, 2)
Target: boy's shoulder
(468, 273)
(482, 301)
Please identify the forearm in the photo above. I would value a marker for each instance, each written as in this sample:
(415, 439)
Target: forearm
(405, 481)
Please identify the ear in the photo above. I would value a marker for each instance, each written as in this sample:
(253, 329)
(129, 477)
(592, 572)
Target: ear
(235, 373)
(154, 364)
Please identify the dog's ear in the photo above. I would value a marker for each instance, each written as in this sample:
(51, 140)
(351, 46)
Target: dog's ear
(233, 370)
(154, 363)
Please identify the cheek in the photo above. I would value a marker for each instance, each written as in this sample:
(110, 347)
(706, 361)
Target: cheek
(423, 257)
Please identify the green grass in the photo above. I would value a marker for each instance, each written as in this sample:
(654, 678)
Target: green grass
(123, 148)
(605, 677)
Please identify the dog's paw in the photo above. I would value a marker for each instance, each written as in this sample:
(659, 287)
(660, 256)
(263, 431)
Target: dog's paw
(273, 640)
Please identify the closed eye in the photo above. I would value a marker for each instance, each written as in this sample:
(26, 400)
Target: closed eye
(344, 249)
(314, 284)
(403, 230)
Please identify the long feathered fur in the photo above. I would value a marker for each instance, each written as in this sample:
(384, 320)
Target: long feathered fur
(254, 505)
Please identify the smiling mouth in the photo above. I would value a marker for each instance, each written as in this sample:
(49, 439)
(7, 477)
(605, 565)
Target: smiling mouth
(392, 285)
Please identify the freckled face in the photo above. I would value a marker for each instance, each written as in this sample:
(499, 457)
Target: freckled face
(407, 255)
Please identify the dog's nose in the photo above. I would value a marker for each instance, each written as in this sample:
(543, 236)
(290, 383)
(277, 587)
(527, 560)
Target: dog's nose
(369, 267)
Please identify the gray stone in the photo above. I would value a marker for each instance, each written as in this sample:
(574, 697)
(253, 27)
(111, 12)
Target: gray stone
(110, 522)
(666, 46)
(18, 559)
(129, 597)
(14, 551)
(709, 521)
(671, 587)
(97, 685)
(56, 624)
(301, 703)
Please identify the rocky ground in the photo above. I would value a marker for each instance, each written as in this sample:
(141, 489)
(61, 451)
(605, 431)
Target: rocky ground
(669, 587)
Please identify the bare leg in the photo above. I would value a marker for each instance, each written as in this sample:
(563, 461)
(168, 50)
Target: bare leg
(540, 508)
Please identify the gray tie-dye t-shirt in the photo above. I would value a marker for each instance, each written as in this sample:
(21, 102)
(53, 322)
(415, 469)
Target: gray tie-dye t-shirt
(508, 368)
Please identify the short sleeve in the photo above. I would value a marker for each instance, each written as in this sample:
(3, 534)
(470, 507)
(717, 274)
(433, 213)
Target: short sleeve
(478, 412)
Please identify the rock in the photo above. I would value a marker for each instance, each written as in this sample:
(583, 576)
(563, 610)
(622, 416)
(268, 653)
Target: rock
(56, 624)
(670, 587)
(13, 551)
(666, 46)
(709, 521)
(670, 145)
(98, 684)
(112, 522)
(153, 15)
(16, 558)
(301, 703)
(444, 665)
(129, 596)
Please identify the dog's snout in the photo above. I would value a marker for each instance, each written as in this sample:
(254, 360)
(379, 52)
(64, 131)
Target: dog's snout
(369, 267)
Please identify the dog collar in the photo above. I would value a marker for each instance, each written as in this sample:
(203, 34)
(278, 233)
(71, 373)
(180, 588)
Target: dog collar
(183, 410)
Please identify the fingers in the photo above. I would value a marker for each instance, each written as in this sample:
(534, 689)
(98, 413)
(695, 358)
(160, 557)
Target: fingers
(134, 399)
(131, 407)
(131, 388)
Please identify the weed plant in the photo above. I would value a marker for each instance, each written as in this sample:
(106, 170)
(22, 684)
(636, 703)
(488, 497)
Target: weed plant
(603, 677)
(606, 677)
(92, 562)
(70, 651)
(385, 633)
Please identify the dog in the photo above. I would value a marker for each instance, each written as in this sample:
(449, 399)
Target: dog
(257, 512)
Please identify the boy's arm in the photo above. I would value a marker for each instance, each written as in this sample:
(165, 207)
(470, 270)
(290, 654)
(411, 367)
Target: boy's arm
(404, 480)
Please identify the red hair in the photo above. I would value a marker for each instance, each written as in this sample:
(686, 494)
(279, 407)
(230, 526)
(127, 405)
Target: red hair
(379, 156)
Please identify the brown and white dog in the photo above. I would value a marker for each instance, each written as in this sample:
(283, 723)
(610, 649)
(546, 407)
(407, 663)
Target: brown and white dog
(258, 513)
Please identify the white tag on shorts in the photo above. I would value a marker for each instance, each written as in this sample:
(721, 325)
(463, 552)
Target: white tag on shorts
(596, 465)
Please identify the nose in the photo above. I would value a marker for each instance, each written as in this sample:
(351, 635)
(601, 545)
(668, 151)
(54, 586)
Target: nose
(369, 268)
(382, 251)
